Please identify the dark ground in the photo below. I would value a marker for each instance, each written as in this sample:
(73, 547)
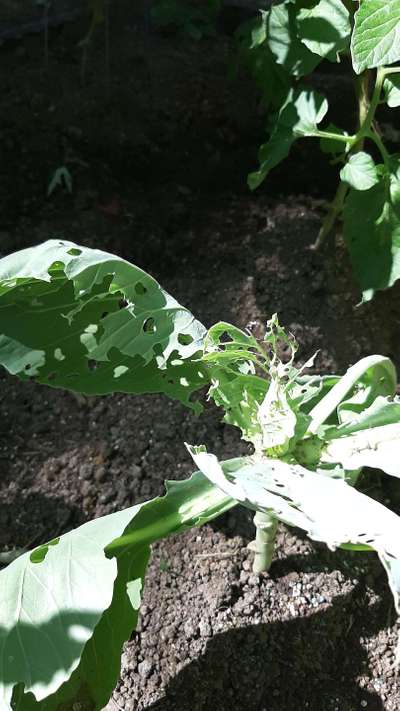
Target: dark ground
(158, 143)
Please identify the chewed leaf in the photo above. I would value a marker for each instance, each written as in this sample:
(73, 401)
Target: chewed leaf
(327, 508)
(378, 447)
(66, 613)
(277, 419)
(89, 321)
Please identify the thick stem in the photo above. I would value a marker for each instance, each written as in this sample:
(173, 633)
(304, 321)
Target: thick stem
(264, 543)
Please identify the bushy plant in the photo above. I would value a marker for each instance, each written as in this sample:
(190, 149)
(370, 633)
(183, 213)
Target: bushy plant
(283, 46)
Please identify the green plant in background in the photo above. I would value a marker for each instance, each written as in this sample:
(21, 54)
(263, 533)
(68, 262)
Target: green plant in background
(191, 18)
(90, 322)
(284, 45)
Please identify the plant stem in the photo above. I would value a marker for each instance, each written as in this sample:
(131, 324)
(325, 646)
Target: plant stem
(366, 112)
(335, 209)
(362, 91)
(264, 543)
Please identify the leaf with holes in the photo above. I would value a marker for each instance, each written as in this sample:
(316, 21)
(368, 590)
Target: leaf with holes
(326, 507)
(68, 607)
(88, 321)
(376, 35)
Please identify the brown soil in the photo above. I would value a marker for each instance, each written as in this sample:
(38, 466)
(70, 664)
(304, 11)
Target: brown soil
(158, 148)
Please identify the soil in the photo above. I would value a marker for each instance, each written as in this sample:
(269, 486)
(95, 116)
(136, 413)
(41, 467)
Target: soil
(158, 141)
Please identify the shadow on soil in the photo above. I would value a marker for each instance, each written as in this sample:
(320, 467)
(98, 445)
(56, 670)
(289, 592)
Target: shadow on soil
(282, 666)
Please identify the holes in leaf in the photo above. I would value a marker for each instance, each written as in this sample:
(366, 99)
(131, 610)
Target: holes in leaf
(149, 325)
(120, 370)
(103, 315)
(28, 366)
(74, 252)
(185, 339)
(140, 289)
(92, 364)
(225, 338)
(122, 304)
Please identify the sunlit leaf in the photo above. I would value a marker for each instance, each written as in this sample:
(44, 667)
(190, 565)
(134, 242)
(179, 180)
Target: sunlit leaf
(89, 321)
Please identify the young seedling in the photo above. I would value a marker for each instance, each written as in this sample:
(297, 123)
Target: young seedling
(282, 47)
(92, 323)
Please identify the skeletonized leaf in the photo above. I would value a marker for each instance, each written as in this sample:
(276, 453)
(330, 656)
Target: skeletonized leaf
(325, 28)
(360, 171)
(89, 321)
(376, 35)
(327, 508)
(303, 110)
(64, 618)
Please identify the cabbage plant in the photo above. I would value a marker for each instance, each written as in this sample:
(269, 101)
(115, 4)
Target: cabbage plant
(90, 322)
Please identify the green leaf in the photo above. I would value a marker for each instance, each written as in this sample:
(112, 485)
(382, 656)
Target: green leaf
(327, 508)
(272, 80)
(284, 41)
(383, 411)
(372, 234)
(50, 609)
(360, 172)
(376, 35)
(298, 117)
(325, 28)
(88, 321)
(63, 620)
(371, 377)
(391, 88)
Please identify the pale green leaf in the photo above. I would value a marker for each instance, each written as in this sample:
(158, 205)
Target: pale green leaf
(325, 28)
(371, 377)
(360, 171)
(327, 508)
(376, 447)
(89, 321)
(383, 411)
(63, 620)
(376, 35)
